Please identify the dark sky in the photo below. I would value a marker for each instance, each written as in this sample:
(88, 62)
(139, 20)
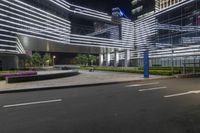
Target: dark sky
(107, 5)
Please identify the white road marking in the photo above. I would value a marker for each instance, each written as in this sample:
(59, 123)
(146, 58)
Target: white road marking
(181, 94)
(137, 85)
(32, 103)
(151, 89)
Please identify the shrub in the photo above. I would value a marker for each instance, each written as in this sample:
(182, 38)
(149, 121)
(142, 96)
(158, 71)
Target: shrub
(154, 72)
(36, 59)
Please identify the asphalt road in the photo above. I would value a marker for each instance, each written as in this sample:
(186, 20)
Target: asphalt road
(160, 106)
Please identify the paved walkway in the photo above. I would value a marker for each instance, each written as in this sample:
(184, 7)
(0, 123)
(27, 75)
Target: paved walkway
(85, 77)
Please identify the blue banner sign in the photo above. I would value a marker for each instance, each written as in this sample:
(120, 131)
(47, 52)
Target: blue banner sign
(146, 64)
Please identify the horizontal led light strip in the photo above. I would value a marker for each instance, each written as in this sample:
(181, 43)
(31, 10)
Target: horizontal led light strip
(87, 10)
(33, 36)
(57, 18)
(20, 49)
(41, 22)
(30, 28)
(20, 29)
(61, 22)
(3, 45)
(35, 20)
(64, 3)
(83, 11)
(145, 27)
(4, 40)
(20, 46)
(52, 31)
(6, 50)
(97, 12)
(96, 42)
(97, 38)
(8, 36)
(60, 4)
(127, 31)
(79, 43)
(98, 46)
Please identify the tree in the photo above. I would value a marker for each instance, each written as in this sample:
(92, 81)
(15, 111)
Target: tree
(46, 60)
(92, 59)
(28, 62)
(85, 59)
(36, 59)
(82, 59)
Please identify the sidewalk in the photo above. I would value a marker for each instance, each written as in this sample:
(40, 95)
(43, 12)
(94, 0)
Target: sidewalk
(85, 78)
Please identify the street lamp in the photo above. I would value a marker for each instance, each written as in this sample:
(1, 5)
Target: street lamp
(54, 57)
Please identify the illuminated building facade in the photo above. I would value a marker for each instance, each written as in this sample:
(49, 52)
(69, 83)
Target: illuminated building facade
(56, 26)
(170, 33)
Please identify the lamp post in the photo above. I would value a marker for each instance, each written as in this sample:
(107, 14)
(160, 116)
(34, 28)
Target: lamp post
(54, 57)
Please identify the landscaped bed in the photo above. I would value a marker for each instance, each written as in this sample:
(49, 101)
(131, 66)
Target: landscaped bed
(9, 74)
(26, 78)
(153, 71)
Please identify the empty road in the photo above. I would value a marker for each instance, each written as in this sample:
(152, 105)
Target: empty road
(154, 106)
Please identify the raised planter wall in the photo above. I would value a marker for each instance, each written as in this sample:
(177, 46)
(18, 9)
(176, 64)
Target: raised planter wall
(27, 78)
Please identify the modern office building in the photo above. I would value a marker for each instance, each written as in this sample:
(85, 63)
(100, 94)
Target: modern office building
(170, 33)
(57, 27)
(162, 4)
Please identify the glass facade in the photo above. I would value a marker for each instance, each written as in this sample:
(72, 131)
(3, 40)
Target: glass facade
(178, 35)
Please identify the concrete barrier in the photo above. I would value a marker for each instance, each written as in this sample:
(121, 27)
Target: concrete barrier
(27, 78)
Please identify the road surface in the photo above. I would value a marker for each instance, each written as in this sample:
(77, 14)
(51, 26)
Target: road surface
(157, 106)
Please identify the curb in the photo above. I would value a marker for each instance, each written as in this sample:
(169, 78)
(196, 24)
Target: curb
(78, 86)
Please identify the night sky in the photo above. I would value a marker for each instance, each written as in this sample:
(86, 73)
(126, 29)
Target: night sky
(107, 5)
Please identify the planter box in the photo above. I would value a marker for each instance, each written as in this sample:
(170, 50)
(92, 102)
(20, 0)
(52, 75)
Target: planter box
(17, 74)
(26, 78)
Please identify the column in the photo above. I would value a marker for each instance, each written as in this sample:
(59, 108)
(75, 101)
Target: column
(127, 57)
(107, 58)
(116, 63)
(100, 59)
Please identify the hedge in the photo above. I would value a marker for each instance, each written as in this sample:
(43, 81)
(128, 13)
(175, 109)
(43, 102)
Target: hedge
(154, 72)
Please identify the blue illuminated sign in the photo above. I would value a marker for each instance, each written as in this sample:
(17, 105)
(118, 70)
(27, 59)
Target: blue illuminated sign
(146, 64)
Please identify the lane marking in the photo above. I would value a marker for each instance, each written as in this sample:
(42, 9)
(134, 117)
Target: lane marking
(32, 103)
(137, 85)
(181, 94)
(151, 89)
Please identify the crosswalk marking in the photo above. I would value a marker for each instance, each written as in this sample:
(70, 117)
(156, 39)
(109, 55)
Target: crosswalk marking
(181, 94)
(151, 89)
(137, 85)
(32, 103)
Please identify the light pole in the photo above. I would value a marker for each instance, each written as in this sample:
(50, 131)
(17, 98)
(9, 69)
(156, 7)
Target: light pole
(54, 57)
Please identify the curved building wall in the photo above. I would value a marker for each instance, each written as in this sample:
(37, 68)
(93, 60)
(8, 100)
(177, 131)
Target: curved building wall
(29, 25)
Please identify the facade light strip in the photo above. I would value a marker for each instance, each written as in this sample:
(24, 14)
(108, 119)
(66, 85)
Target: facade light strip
(41, 22)
(62, 21)
(45, 29)
(40, 18)
(24, 30)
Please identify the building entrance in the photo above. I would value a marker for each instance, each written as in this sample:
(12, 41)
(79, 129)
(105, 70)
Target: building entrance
(1, 66)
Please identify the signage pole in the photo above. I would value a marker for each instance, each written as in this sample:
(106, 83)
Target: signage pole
(146, 64)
